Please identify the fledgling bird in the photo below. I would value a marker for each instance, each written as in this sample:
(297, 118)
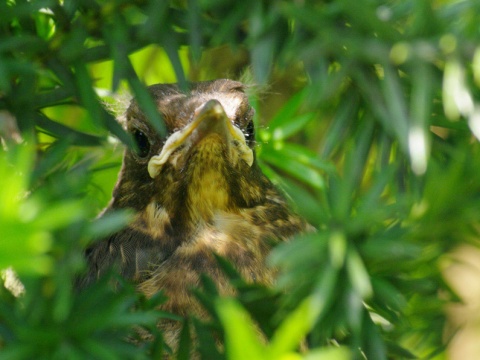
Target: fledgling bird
(196, 192)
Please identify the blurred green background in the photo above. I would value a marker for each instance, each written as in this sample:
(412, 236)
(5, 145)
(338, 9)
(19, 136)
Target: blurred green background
(366, 116)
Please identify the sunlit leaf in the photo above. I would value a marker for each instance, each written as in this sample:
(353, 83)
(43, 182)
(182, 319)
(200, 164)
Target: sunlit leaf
(358, 274)
(332, 353)
(294, 328)
(242, 340)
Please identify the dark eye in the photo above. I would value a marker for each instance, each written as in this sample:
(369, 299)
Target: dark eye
(249, 132)
(143, 145)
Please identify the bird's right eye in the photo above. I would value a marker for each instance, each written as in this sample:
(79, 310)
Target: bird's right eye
(143, 144)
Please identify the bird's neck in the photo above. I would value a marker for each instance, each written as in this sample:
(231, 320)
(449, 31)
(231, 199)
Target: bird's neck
(207, 194)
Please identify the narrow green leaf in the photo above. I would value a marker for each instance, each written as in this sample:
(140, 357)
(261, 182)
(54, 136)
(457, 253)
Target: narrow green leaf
(171, 46)
(374, 345)
(354, 310)
(400, 352)
(62, 214)
(293, 167)
(144, 99)
(207, 341)
(337, 246)
(305, 202)
(262, 57)
(305, 156)
(283, 117)
(51, 160)
(331, 353)
(358, 275)
(195, 29)
(294, 328)
(422, 89)
(98, 350)
(242, 341)
(324, 290)
(108, 223)
(388, 246)
(75, 137)
(185, 343)
(370, 90)
(228, 269)
(340, 127)
(395, 100)
(372, 200)
(419, 129)
(343, 190)
(292, 127)
(453, 86)
(91, 102)
(387, 294)
(299, 252)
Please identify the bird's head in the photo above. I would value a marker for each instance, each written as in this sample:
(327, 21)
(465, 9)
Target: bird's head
(205, 164)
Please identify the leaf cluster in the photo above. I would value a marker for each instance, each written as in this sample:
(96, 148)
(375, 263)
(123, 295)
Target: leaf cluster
(375, 144)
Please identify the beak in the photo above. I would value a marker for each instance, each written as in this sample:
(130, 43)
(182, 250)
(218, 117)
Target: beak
(209, 118)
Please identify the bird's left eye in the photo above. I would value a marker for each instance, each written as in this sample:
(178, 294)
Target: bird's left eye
(249, 131)
(143, 144)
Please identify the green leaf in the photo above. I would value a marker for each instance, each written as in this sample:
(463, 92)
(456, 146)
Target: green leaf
(195, 29)
(399, 351)
(75, 137)
(387, 294)
(287, 112)
(291, 166)
(241, 338)
(331, 353)
(395, 101)
(338, 131)
(262, 57)
(375, 347)
(292, 127)
(305, 156)
(62, 214)
(207, 341)
(419, 129)
(343, 189)
(358, 275)
(324, 289)
(337, 246)
(109, 223)
(294, 328)
(185, 343)
(305, 203)
(171, 45)
(92, 104)
(146, 103)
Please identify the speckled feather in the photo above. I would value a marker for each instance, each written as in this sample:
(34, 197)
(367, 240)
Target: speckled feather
(204, 201)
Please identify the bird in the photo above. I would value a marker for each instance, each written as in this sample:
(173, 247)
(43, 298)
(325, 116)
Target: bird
(194, 193)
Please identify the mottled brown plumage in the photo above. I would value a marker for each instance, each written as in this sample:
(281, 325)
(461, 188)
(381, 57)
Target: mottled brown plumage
(196, 193)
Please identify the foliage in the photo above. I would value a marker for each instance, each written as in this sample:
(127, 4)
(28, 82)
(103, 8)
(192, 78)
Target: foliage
(375, 141)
